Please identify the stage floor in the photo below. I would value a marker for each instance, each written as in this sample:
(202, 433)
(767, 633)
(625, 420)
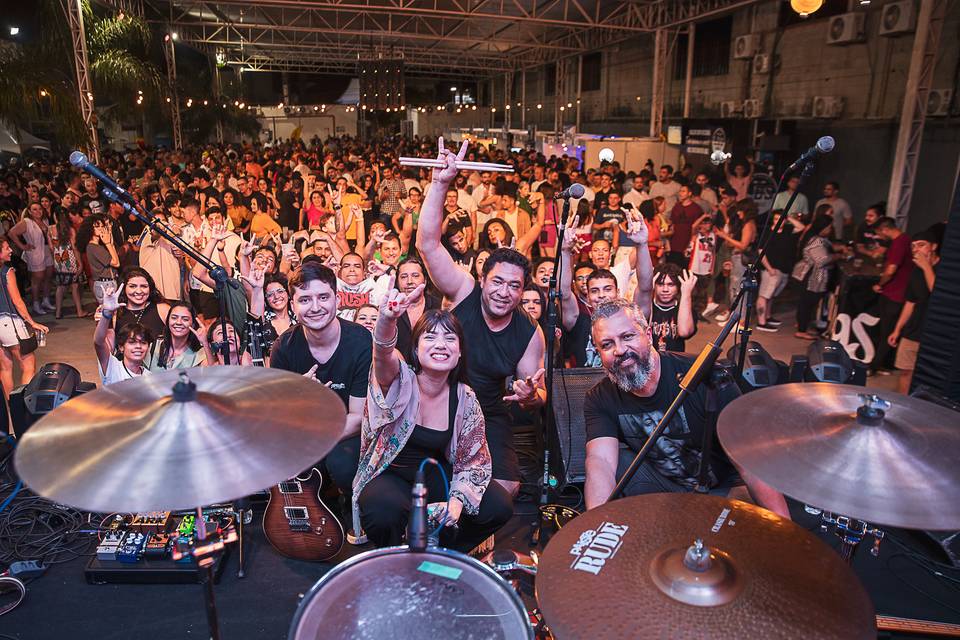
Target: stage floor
(62, 605)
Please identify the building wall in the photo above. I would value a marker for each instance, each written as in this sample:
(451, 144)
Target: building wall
(869, 76)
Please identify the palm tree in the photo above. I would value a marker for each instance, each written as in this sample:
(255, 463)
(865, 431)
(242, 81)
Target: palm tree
(36, 83)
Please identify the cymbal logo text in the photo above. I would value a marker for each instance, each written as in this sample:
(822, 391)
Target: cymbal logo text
(595, 547)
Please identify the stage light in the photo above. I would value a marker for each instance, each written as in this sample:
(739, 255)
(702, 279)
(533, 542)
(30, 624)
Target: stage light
(561, 107)
(493, 109)
(205, 103)
(316, 108)
(175, 35)
(570, 105)
(280, 106)
(805, 7)
(44, 94)
(539, 106)
(242, 105)
(507, 108)
(14, 31)
(236, 103)
(168, 99)
(518, 104)
(453, 88)
(474, 107)
(606, 154)
(458, 109)
(323, 106)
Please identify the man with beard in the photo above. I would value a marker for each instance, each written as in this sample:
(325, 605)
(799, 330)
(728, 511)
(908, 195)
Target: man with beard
(622, 410)
(333, 351)
(503, 341)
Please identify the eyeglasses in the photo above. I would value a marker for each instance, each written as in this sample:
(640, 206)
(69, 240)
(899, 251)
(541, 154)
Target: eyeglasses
(276, 293)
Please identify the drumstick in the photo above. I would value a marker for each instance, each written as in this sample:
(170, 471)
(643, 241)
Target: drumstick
(461, 164)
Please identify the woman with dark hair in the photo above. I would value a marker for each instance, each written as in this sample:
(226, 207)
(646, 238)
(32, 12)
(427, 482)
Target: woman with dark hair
(410, 275)
(238, 214)
(67, 270)
(132, 343)
(740, 239)
(496, 234)
(141, 302)
(813, 270)
(14, 319)
(215, 338)
(419, 410)
(183, 343)
(481, 259)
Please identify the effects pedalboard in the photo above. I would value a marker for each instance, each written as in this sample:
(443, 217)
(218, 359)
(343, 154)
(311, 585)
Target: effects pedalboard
(157, 547)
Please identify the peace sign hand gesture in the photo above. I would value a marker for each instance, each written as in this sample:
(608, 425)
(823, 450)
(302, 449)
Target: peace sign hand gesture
(637, 229)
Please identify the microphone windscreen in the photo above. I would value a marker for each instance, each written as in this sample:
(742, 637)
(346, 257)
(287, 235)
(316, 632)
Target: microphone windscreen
(78, 159)
(576, 190)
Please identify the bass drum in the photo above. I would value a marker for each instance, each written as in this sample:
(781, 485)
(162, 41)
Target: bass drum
(397, 593)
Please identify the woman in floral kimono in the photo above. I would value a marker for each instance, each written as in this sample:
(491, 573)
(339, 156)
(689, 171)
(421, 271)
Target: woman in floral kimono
(419, 410)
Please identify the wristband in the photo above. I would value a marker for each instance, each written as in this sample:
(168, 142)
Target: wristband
(389, 344)
(108, 314)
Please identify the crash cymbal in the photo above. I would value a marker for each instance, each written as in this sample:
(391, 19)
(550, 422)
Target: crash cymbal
(132, 446)
(893, 463)
(631, 569)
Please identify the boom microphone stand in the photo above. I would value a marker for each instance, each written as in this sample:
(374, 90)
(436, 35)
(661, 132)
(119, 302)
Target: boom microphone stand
(553, 317)
(708, 356)
(217, 273)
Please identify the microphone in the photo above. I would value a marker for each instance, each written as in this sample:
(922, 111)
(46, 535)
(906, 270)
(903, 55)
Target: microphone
(718, 157)
(80, 161)
(417, 526)
(824, 145)
(575, 190)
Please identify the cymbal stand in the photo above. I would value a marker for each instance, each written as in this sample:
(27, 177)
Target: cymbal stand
(851, 533)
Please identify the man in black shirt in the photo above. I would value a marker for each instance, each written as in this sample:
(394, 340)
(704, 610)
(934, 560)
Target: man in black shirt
(623, 409)
(503, 341)
(906, 334)
(335, 352)
(458, 244)
(290, 198)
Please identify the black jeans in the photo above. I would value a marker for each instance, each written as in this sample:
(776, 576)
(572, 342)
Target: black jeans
(806, 308)
(889, 311)
(385, 508)
(342, 463)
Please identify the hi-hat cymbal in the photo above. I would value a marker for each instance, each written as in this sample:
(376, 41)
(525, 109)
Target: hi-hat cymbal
(894, 464)
(131, 446)
(626, 570)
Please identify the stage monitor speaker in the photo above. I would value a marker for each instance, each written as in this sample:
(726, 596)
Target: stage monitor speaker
(760, 369)
(938, 362)
(827, 361)
(569, 437)
(51, 386)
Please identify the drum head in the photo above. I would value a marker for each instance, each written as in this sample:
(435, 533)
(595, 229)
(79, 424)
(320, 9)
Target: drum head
(395, 593)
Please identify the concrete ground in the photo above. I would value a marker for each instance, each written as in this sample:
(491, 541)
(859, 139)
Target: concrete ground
(71, 341)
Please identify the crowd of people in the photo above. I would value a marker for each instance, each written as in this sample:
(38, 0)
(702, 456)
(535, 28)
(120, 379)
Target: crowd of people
(419, 296)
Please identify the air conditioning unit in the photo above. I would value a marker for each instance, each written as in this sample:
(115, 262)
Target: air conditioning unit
(846, 28)
(730, 109)
(761, 63)
(898, 17)
(938, 102)
(827, 106)
(744, 47)
(751, 108)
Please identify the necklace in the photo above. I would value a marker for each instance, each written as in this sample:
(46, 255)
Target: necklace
(138, 315)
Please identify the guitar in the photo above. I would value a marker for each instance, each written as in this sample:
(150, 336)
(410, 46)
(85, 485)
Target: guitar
(297, 522)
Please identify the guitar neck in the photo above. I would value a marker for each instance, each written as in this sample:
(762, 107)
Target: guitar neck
(909, 625)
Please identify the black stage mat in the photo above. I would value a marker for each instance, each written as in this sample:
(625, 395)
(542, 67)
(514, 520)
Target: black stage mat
(62, 605)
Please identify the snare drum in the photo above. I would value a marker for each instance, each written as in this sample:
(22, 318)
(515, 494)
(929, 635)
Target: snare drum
(397, 593)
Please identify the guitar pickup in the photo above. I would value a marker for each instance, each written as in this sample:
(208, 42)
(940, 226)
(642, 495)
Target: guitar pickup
(295, 513)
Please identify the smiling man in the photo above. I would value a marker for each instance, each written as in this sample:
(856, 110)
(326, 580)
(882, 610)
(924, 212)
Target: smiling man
(623, 409)
(335, 352)
(503, 342)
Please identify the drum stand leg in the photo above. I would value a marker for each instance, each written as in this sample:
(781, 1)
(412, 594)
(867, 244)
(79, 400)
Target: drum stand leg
(241, 514)
(206, 578)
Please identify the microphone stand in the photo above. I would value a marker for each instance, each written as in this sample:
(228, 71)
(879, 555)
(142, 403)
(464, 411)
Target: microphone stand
(552, 323)
(217, 273)
(708, 356)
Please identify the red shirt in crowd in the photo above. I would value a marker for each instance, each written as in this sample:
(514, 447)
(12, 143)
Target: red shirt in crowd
(682, 217)
(900, 255)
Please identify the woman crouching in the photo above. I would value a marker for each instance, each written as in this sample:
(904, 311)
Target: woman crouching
(421, 410)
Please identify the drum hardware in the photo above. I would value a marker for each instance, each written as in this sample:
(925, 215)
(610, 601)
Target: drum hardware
(851, 533)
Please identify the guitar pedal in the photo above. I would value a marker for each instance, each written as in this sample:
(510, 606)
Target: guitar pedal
(107, 549)
(131, 548)
(156, 546)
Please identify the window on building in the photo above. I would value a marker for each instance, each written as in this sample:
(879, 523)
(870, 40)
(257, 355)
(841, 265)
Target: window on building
(592, 72)
(550, 79)
(711, 49)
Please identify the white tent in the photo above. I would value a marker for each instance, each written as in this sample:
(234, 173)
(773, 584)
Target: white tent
(12, 143)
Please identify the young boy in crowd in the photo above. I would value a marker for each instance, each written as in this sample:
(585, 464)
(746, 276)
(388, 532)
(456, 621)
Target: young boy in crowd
(703, 263)
(671, 319)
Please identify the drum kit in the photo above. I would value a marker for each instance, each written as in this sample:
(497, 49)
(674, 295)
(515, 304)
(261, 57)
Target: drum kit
(664, 565)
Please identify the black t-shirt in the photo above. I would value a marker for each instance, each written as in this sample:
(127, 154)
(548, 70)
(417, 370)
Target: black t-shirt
(347, 370)
(289, 210)
(605, 215)
(867, 236)
(97, 203)
(610, 411)
(663, 328)
(782, 250)
(600, 199)
(578, 342)
(492, 357)
(919, 295)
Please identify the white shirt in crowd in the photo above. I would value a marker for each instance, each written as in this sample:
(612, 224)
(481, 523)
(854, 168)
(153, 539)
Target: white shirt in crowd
(800, 205)
(668, 190)
(841, 214)
(634, 198)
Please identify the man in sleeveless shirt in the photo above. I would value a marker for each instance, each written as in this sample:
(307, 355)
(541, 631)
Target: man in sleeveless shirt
(502, 342)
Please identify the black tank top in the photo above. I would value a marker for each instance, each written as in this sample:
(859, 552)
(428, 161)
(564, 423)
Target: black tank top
(492, 356)
(148, 317)
(425, 442)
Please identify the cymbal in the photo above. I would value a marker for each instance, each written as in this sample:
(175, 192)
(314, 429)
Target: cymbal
(622, 570)
(131, 446)
(894, 464)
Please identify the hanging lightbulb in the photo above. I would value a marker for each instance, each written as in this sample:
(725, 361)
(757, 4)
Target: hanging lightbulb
(805, 7)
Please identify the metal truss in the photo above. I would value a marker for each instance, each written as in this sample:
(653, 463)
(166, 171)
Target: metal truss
(78, 39)
(436, 37)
